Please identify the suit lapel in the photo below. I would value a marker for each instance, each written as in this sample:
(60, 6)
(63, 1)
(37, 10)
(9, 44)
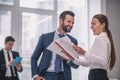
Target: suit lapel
(13, 55)
(69, 37)
(51, 38)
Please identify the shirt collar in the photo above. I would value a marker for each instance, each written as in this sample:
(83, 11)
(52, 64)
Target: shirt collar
(6, 51)
(103, 34)
(57, 32)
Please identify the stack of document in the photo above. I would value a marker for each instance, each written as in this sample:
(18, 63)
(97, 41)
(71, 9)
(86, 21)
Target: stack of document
(63, 44)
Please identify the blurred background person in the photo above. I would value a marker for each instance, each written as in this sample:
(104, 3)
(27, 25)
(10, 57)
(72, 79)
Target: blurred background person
(7, 56)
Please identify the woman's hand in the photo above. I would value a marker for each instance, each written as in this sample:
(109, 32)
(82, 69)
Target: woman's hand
(79, 50)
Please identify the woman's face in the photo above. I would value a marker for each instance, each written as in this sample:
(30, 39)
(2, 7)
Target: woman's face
(96, 26)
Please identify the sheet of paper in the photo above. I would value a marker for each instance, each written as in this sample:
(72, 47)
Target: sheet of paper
(63, 43)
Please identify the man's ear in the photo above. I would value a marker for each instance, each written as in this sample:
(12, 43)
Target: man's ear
(61, 21)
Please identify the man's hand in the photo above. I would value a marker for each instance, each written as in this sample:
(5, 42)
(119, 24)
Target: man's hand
(67, 55)
(10, 63)
(63, 58)
(39, 78)
(18, 66)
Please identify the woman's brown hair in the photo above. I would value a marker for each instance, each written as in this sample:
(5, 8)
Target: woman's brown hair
(103, 19)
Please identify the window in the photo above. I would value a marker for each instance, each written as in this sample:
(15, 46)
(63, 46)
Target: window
(42, 4)
(80, 26)
(33, 25)
(7, 2)
(5, 25)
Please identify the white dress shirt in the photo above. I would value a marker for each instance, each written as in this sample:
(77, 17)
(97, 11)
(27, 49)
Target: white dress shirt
(99, 54)
(8, 71)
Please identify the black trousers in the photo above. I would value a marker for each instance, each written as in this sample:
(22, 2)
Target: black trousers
(9, 78)
(98, 74)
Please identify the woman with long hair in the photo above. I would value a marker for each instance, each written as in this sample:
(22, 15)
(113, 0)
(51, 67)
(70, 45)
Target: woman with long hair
(101, 55)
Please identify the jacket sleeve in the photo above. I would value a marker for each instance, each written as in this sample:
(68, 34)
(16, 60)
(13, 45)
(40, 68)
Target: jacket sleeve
(70, 63)
(36, 54)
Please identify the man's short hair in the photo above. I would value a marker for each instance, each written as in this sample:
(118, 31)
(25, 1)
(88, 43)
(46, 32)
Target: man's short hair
(63, 14)
(9, 38)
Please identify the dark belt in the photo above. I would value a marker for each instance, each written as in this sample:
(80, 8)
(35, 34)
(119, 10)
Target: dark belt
(98, 70)
(47, 72)
(98, 74)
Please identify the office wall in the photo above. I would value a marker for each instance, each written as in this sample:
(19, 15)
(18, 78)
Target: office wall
(113, 13)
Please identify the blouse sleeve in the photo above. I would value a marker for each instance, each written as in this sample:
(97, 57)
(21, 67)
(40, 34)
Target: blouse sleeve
(96, 54)
(81, 61)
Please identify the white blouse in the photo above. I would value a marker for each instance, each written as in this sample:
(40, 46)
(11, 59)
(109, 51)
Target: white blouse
(99, 54)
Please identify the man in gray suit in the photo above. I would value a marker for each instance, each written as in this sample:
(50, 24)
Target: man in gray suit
(52, 66)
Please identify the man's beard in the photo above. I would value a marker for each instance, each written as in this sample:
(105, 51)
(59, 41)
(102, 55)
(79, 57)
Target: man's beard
(65, 28)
